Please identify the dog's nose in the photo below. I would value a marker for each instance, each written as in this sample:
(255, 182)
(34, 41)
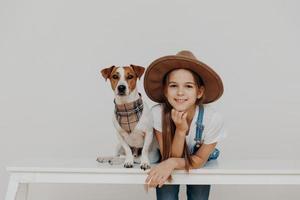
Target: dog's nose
(121, 88)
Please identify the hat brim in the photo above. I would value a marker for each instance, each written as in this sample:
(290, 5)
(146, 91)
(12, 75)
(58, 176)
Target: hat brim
(153, 79)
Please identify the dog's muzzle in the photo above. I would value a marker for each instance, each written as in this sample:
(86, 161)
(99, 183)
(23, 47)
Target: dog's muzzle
(121, 89)
(136, 151)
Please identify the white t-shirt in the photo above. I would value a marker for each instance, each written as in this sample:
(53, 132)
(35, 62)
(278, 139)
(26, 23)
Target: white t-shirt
(212, 121)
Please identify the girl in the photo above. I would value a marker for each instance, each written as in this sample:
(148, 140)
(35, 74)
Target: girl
(183, 86)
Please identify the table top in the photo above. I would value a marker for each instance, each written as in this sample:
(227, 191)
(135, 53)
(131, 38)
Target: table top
(90, 165)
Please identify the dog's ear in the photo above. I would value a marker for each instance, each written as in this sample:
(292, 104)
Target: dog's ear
(138, 70)
(107, 71)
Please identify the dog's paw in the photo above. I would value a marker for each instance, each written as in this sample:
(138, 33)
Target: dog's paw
(145, 163)
(145, 166)
(116, 160)
(102, 159)
(128, 163)
(112, 160)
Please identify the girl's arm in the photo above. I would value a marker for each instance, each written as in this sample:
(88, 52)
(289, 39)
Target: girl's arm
(177, 144)
(199, 158)
(159, 174)
(180, 120)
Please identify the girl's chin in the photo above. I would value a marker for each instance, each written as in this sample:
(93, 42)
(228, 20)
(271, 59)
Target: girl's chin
(179, 108)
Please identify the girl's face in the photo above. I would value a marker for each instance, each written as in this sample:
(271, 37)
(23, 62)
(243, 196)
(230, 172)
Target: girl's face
(181, 90)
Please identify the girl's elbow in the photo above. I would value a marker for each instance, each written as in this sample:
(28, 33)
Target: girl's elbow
(198, 162)
(197, 165)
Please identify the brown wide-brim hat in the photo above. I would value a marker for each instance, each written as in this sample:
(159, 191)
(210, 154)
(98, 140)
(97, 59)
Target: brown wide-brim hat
(154, 75)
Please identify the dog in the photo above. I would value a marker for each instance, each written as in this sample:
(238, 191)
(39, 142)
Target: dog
(132, 118)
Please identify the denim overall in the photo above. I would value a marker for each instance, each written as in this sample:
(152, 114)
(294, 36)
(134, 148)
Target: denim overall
(199, 130)
(194, 192)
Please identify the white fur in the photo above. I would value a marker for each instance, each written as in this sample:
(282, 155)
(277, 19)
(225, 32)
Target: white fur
(141, 136)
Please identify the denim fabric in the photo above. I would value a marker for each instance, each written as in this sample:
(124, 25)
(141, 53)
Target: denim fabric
(167, 192)
(194, 192)
(199, 192)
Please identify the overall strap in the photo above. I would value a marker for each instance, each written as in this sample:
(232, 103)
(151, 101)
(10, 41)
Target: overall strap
(199, 126)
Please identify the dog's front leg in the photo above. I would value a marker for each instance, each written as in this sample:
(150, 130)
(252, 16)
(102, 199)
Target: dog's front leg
(145, 163)
(128, 163)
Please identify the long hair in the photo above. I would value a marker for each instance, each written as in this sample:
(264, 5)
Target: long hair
(168, 126)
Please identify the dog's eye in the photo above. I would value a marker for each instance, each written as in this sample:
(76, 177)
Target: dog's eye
(130, 77)
(115, 77)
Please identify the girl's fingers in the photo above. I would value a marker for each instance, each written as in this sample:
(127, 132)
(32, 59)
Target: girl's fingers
(153, 181)
(151, 173)
(184, 115)
(181, 115)
(148, 179)
(161, 182)
(177, 115)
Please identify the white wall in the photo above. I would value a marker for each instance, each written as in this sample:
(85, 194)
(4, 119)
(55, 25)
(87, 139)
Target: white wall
(54, 103)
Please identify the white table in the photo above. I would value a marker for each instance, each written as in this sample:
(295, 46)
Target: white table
(268, 172)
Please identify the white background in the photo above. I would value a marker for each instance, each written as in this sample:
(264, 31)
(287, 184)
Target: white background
(55, 104)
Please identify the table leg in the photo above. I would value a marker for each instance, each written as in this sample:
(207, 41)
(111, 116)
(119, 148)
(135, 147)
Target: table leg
(22, 194)
(12, 188)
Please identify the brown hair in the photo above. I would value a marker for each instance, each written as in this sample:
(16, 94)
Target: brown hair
(168, 126)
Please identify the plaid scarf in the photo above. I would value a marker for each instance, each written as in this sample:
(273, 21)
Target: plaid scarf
(129, 114)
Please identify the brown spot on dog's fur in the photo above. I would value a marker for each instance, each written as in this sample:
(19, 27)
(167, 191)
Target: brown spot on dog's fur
(138, 70)
(114, 78)
(111, 74)
(131, 78)
(107, 72)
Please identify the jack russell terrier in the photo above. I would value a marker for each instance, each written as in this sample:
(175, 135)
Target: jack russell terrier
(132, 119)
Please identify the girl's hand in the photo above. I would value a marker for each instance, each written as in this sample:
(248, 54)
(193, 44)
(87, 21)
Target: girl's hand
(180, 121)
(160, 173)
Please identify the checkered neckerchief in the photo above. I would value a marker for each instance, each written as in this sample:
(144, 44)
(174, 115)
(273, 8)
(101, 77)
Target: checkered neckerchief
(129, 114)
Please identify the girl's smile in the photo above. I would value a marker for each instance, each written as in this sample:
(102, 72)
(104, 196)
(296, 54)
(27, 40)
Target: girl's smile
(180, 100)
